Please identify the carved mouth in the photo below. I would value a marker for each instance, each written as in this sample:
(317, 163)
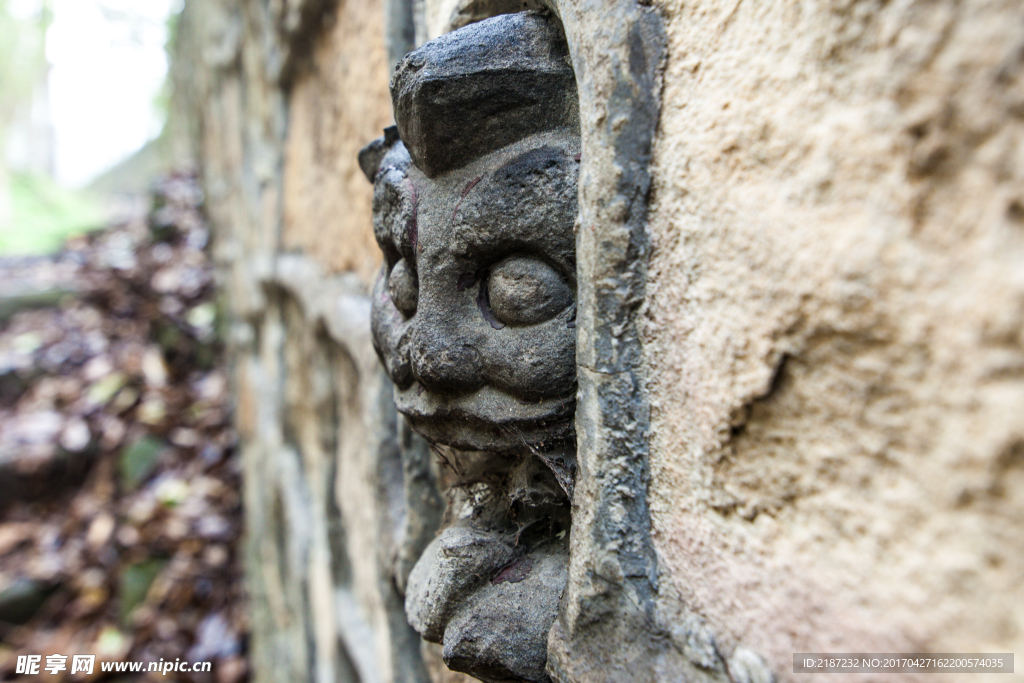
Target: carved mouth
(487, 419)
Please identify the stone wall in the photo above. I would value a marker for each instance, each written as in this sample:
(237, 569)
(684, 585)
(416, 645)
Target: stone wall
(336, 105)
(833, 324)
(286, 94)
(827, 335)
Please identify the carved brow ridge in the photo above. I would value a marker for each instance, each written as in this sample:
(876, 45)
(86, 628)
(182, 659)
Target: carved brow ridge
(539, 160)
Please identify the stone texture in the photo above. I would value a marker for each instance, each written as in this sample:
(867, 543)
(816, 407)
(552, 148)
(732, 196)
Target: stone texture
(500, 634)
(609, 626)
(475, 198)
(480, 88)
(333, 108)
(830, 334)
(457, 562)
(332, 524)
(464, 367)
(833, 325)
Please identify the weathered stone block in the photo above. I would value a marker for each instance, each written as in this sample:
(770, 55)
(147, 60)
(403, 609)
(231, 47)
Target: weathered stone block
(481, 88)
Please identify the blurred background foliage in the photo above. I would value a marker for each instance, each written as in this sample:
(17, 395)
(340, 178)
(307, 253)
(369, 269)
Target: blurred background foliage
(38, 212)
(120, 507)
(35, 213)
(43, 214)
(22, 54)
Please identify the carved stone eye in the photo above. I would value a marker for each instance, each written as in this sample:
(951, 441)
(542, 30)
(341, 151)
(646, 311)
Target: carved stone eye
(525, 291)
(403, 288)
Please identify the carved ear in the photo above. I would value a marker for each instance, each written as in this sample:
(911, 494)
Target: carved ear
(371, 155)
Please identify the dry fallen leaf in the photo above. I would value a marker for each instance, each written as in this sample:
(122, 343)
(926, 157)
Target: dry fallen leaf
(128, 556)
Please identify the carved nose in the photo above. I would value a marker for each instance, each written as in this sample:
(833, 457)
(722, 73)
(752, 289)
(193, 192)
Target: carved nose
(441, 363)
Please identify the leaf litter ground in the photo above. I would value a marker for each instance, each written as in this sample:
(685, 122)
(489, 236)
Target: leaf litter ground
(120, 510)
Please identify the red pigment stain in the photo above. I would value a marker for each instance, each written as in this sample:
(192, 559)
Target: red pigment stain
(469, 186)
(515, 572)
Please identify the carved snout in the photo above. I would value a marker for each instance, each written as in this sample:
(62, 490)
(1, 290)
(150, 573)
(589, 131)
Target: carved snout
(443, 364)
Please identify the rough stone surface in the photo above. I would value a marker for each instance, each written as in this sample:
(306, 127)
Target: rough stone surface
(455, 563)
(609, 627)
(474, 319)
(437, 17)
(833, 329)
(333, 108)
(480, 88)
(339, 493)
(509, 644)
(828, 333)
(467, 372)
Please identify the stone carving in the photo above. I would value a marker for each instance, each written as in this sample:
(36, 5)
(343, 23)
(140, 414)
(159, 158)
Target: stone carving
(475, 199)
